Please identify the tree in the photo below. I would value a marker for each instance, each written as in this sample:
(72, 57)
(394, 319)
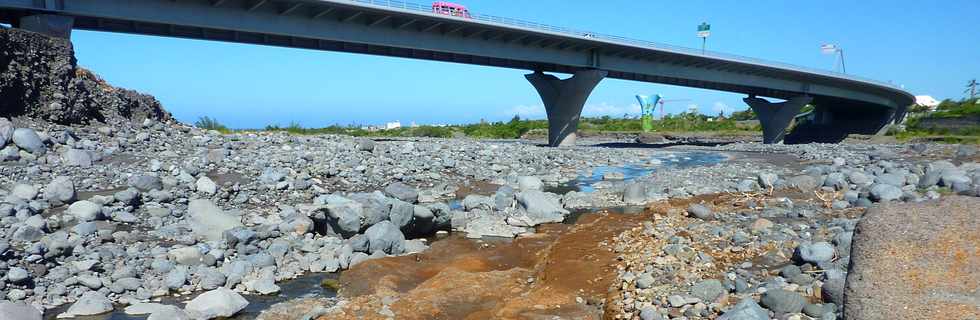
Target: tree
(743, 115)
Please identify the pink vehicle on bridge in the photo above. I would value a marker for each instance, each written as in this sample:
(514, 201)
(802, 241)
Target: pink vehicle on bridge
(450, 9)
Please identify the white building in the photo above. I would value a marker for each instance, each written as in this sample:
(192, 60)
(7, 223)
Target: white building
(927, 101)
(393, 125)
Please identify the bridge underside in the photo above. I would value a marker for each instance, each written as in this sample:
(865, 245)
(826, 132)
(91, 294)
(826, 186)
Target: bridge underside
(832, 121)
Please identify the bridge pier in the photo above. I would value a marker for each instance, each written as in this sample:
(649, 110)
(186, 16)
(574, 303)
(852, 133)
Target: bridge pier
(775, 117)
(48, 24)
(563, 101)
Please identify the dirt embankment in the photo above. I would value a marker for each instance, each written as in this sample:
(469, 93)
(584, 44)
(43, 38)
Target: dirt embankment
(40, 78)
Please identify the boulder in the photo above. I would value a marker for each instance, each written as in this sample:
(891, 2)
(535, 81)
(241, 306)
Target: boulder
(220, 302)
(6, 131)
(815, 252)
(634, 194)
(169, 313)
(76, 157)
(91, 303)
(885, 192)
(60, 191)
(700, 211)
(783, 301)
(386, 237)
(747, 309)
(904, 254)
(206, 186)
(402, 192)
(85, 210)
(491, 226)
(145, 183)
(17, 310)
(708, 290)
(209, 221)
(28, 140)
(24, 191)
(541, 204)
(526, 183)
(345, 216)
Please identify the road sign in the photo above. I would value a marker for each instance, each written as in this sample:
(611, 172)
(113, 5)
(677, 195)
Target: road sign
(704, 30)
(828, 49)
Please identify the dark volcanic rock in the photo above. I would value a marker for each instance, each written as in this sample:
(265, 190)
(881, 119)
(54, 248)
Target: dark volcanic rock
(40, 78)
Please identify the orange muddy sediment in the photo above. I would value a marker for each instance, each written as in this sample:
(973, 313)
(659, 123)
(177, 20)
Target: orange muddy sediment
(563, 270)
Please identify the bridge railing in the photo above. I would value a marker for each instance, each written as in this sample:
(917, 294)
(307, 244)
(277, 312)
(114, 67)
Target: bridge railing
(588, 35)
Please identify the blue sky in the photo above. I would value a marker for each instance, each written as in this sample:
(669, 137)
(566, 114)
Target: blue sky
(930, 47)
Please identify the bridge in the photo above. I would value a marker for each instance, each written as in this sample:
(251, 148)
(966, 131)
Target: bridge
(844, 104)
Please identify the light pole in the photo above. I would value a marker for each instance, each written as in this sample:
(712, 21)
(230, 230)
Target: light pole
(835, 49)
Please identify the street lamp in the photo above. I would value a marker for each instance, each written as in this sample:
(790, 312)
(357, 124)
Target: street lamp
(834, 49)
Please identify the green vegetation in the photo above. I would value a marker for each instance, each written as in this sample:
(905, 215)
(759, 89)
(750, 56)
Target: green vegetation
(952, 122)
(515, 128)
(209, 123)
(744, 115)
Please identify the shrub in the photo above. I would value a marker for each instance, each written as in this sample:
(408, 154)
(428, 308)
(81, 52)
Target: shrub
(209, 123)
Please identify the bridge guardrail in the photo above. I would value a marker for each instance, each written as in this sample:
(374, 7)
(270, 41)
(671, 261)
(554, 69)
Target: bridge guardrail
(588, 35)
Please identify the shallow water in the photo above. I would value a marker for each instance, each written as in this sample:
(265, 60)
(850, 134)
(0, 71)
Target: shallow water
(642, 167)
(305, 286)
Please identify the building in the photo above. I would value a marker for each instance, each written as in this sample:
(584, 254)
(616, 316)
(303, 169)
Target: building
(927, 101)
(393, 125)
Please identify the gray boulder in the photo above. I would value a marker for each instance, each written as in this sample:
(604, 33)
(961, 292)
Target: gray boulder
(76, 157)
(476, 201)
(747, 309)
(220, 302)
(345, 216)
(783, 301)
(767, 179)
(401, 213)
(6, 131)
(209, 221)
(28, 140)
(538, 203)
(17, 275)
(708, 290)
(85, 210)
(815, 252)
(634, 194)
(885, 192)
(526, 183)
(700, 211)
(206, 186)
(385, 236)
(60, 191)
(91, 303)
(17, 310)
(169, 313)
(24, 191)
(402, 192)
(145, 183)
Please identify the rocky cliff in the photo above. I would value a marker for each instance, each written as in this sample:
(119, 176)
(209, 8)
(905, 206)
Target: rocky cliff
(40, 78)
